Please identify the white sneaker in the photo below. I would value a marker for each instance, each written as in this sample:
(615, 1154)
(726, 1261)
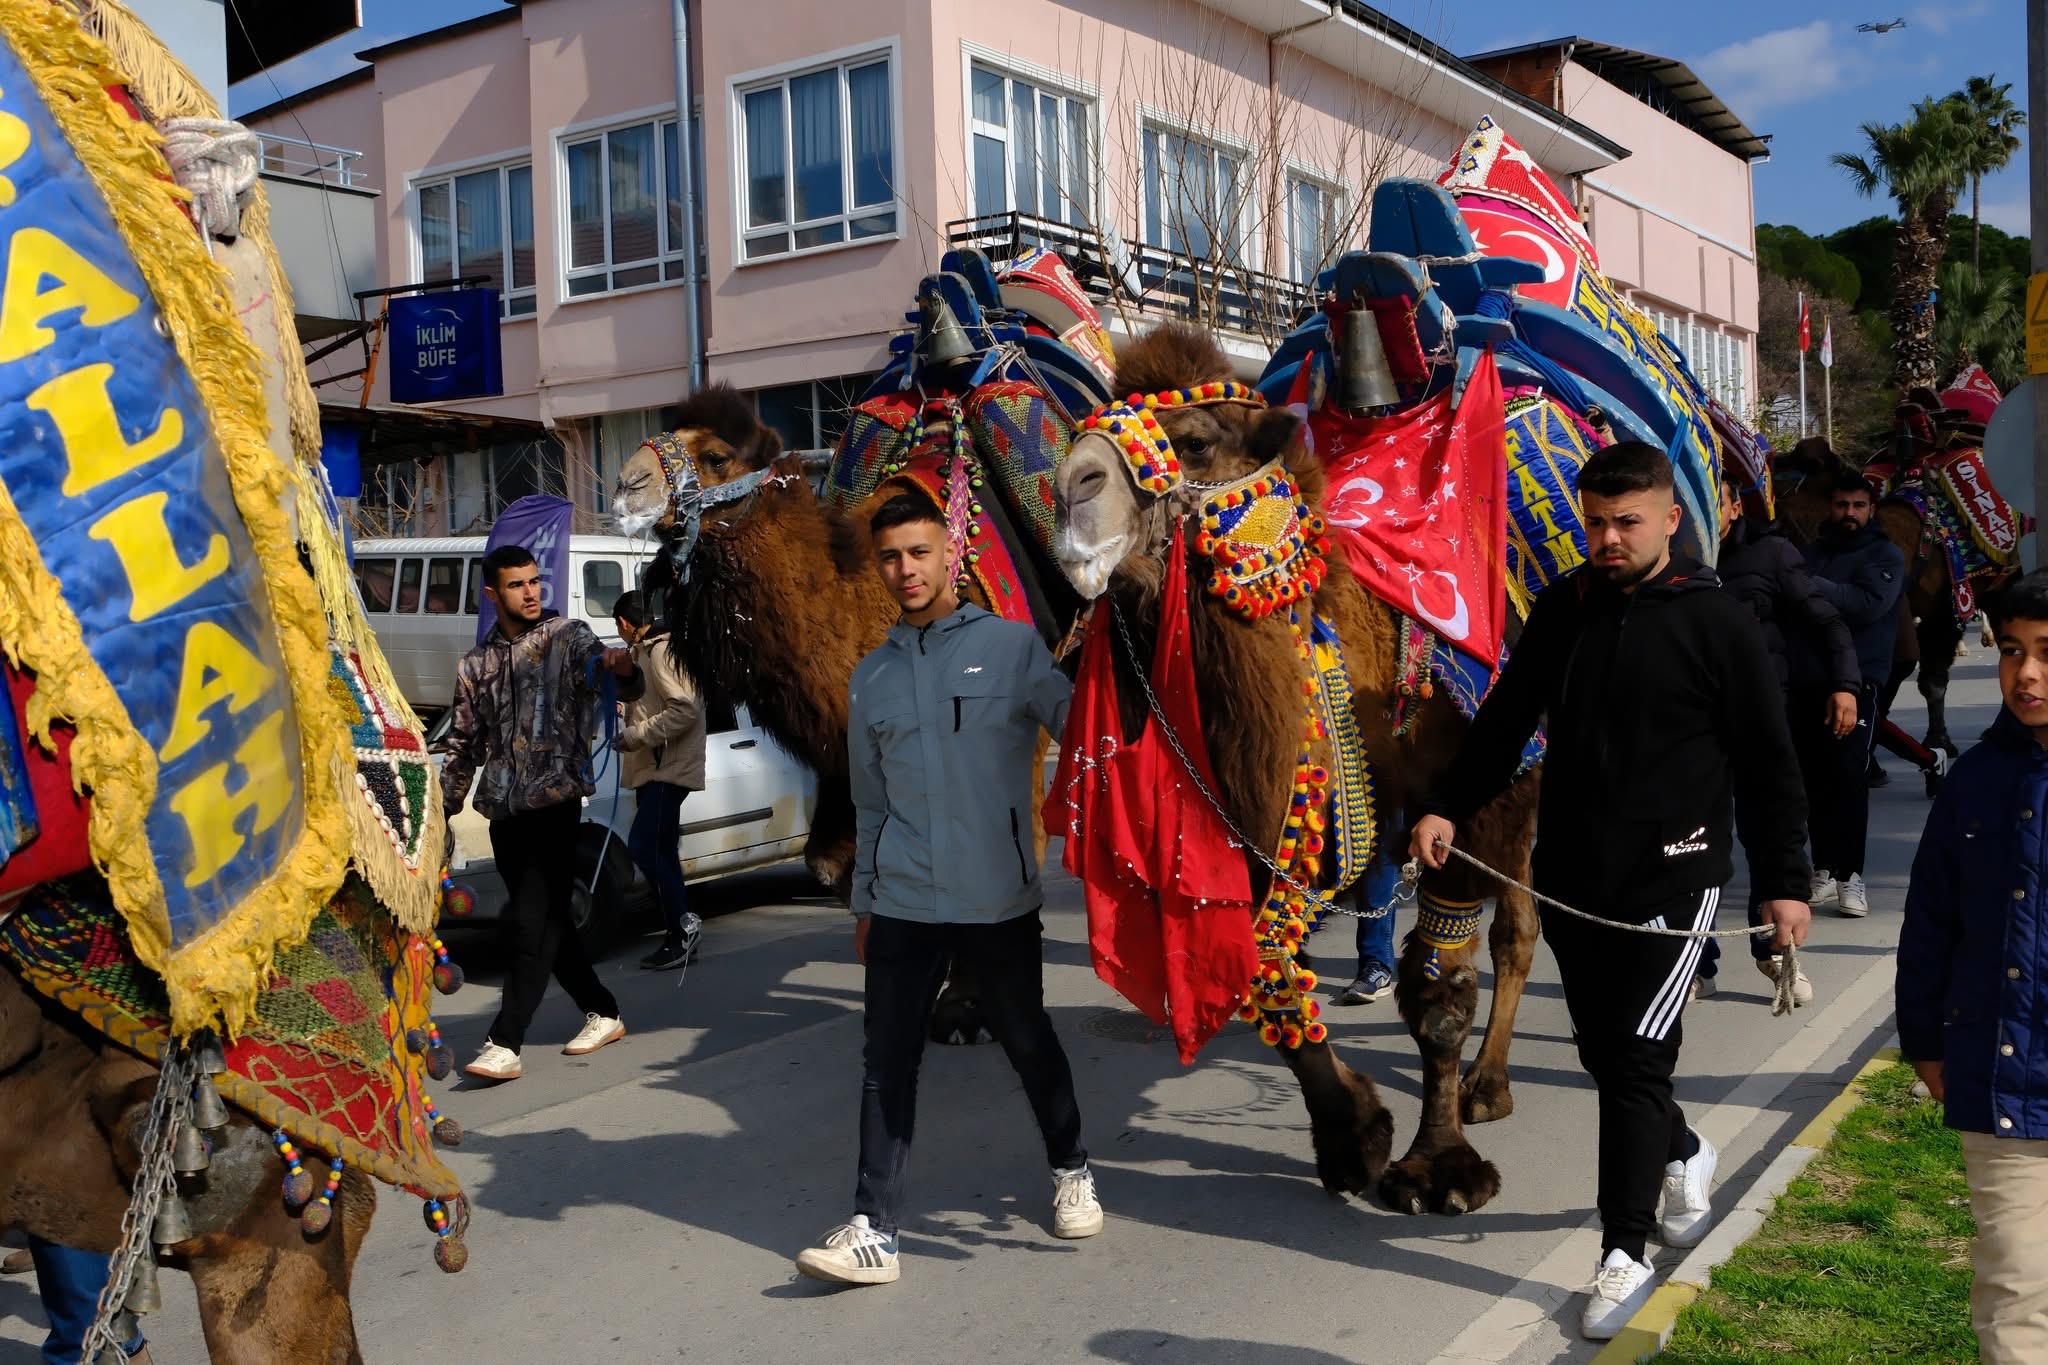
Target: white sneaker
(1851, 902)
(1825, 888)
(1620, 1286)
(495, 1063)
(1076, 1212)
(1701, 988)
(597, 1031)
(1688, 1186)
(1802, 989)
(852, 1253)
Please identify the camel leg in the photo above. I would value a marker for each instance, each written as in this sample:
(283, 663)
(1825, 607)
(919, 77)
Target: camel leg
(1485, 1094)
(1351, 1130)
(1937, 660)
(268, 1292)
(828, 851)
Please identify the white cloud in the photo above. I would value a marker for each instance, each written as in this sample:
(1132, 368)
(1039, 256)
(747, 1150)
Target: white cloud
(2006, 212)
(1788, 66)
(1940, 21)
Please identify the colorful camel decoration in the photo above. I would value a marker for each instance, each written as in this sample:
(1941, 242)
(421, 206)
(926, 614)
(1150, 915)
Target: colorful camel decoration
(220, 834)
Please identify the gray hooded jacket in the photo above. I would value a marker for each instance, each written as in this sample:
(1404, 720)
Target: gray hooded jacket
(943, 724)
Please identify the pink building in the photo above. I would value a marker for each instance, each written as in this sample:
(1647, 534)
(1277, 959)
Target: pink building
(1191, 159)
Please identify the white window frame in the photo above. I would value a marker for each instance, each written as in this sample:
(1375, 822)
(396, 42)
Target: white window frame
(1044, 82)
(447, 175)
(668, 254)
(767, 78)
(1160, 125)
(1340, 206)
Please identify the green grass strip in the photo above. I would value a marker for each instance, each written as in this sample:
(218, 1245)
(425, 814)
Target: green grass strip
(1866, 1256)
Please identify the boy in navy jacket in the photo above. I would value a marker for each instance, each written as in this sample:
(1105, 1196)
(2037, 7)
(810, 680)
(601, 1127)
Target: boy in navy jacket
(1973, 981)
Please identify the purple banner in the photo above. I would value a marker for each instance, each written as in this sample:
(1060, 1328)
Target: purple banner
(541, 524)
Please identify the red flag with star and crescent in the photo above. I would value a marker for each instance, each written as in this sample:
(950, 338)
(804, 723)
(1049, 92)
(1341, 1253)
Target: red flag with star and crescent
(1418, 504)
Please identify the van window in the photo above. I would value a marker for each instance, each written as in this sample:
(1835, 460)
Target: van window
(444, 587)
(408, 586)
(603, 581)
(473, 597)
(373, 579)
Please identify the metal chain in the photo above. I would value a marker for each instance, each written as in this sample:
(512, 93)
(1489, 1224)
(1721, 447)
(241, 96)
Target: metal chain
(167, 1109)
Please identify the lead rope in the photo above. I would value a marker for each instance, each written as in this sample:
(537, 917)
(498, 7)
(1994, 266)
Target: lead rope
(605, 683)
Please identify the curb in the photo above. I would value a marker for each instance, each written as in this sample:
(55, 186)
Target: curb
(1649, 1331)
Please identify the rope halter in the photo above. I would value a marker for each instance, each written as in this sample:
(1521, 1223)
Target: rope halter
(1134, 426)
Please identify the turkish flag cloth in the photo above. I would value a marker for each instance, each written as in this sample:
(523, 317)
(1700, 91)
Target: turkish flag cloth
(1418, 502)
(1168, 891)
(1805, 327)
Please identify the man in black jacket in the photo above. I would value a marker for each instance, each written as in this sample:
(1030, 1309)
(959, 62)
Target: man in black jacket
(1767, 573)
(1662, 709)
(1862, 573)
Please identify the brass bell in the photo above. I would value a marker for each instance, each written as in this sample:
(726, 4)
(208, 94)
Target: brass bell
(188, 1151)
(207, 1109)
(173, 1224)
(143, 1294)
(1364, 379)
(940, 340)
(207, 1053)
(123, 1327)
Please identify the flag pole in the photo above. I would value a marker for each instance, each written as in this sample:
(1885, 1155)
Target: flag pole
(1802, 365)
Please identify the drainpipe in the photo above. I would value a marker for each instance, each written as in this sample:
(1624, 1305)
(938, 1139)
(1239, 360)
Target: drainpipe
(686, 158)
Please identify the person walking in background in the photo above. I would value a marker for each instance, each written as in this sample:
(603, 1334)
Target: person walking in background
(1972, 994)
(70, 1282)
(661, 749)
(1375, 979)
(1768, 575)
(944, 720)
(524, 718)
(1862, 574)
(1661, 706)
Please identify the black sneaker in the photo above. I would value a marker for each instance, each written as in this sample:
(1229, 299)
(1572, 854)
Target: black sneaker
(1376, 982)
(1876, 776)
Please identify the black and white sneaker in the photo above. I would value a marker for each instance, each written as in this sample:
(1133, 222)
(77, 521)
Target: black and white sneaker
(678, 949)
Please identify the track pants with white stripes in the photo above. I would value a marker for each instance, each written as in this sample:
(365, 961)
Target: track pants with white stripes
(1626, 994)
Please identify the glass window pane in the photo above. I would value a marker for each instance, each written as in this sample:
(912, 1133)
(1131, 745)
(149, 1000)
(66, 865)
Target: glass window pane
(788, 409)
(1024, 145)
(815, 148)
(1077, 163)
(437, 241)
(1229, 210)
(988, 98)
(636, 206)
(874, 144)
(408, 586)
(519, 199)
(473, 593)
(767, 198)
(774, 244)
(825, 234)
(603, 581)
(1155, 229)
(480, 227)
(589, 284)
(672, 186)
(1049, 156)
(991, 167)
(637, 276)
(373, 579)
(586, 203)
(873, 224)
(444, 587)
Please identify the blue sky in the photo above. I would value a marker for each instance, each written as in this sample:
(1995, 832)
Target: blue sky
(1798, 71)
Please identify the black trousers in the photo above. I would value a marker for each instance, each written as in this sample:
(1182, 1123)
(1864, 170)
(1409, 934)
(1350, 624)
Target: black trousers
(1836, 772)
(1626, 994)
(906, 967)
(536, 853)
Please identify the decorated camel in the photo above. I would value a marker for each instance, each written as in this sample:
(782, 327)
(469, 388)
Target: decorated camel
(220, 834)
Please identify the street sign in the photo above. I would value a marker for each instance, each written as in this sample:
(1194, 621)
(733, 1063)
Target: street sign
(2037, 323)
(2009, 452)
(444, 346)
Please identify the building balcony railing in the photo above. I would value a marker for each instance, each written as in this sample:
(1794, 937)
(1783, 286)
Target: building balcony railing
(303, 160)
(1147, 281)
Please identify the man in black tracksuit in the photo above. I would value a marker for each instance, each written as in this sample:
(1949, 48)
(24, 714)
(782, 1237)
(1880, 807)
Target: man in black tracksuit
(1662, 710)
(1859, 570)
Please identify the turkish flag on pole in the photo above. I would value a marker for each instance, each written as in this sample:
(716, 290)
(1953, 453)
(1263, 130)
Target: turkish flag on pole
(1805, 328)
(1827, 342)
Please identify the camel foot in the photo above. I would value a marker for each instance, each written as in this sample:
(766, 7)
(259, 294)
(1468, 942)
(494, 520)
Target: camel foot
(1452, 1181)
(1352, 1149)
(834, 872)
(1484, 1095)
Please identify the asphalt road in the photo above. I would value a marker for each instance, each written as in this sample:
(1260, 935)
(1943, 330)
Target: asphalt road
(642, 1204)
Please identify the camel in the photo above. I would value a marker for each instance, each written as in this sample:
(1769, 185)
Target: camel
(1249, 686)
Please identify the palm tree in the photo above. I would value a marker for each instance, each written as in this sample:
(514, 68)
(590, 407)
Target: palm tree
(1992, 121)
(1920, 164)
(1982, 322)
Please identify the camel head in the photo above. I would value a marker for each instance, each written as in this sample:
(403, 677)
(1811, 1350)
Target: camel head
(720, 441)
(1113, 518)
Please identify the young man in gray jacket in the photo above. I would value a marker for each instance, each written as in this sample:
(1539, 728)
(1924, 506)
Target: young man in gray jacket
(944, 720)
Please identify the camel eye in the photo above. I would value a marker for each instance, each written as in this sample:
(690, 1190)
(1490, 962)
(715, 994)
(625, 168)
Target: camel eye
(1193, 447)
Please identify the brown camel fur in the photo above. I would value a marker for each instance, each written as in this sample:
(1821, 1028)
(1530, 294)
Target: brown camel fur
(267, 1292)
(1249, 687)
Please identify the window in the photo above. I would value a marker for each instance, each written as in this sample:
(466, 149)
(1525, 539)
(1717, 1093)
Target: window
(444, 587)
(811, 415)
(1031, 149)
(1314, 220)
(603, 581)
(1194, 196)
(817, 159)
(473, 595)
(625, 208)
(481, 484)
(480, 223)
(408, 587)
(373, 581)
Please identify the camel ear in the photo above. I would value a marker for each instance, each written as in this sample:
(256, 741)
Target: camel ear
(1275, 434)
(762, 448)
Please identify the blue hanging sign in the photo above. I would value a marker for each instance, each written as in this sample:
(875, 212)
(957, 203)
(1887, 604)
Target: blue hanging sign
(444, 346)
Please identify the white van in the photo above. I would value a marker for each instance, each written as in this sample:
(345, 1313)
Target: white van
(422, 595)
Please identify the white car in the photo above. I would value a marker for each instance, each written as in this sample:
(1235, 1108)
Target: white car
(755, 810)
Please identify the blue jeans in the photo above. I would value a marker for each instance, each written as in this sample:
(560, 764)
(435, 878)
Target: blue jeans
(653, 841)
(70, 1282)
(1376, 936)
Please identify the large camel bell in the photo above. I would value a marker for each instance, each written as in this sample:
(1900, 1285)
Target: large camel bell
(143, 1294)
(208, 1111)
(206, 1052)
(1364, 379)
(188, 1151)
(940, 340)
(173, 1224)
